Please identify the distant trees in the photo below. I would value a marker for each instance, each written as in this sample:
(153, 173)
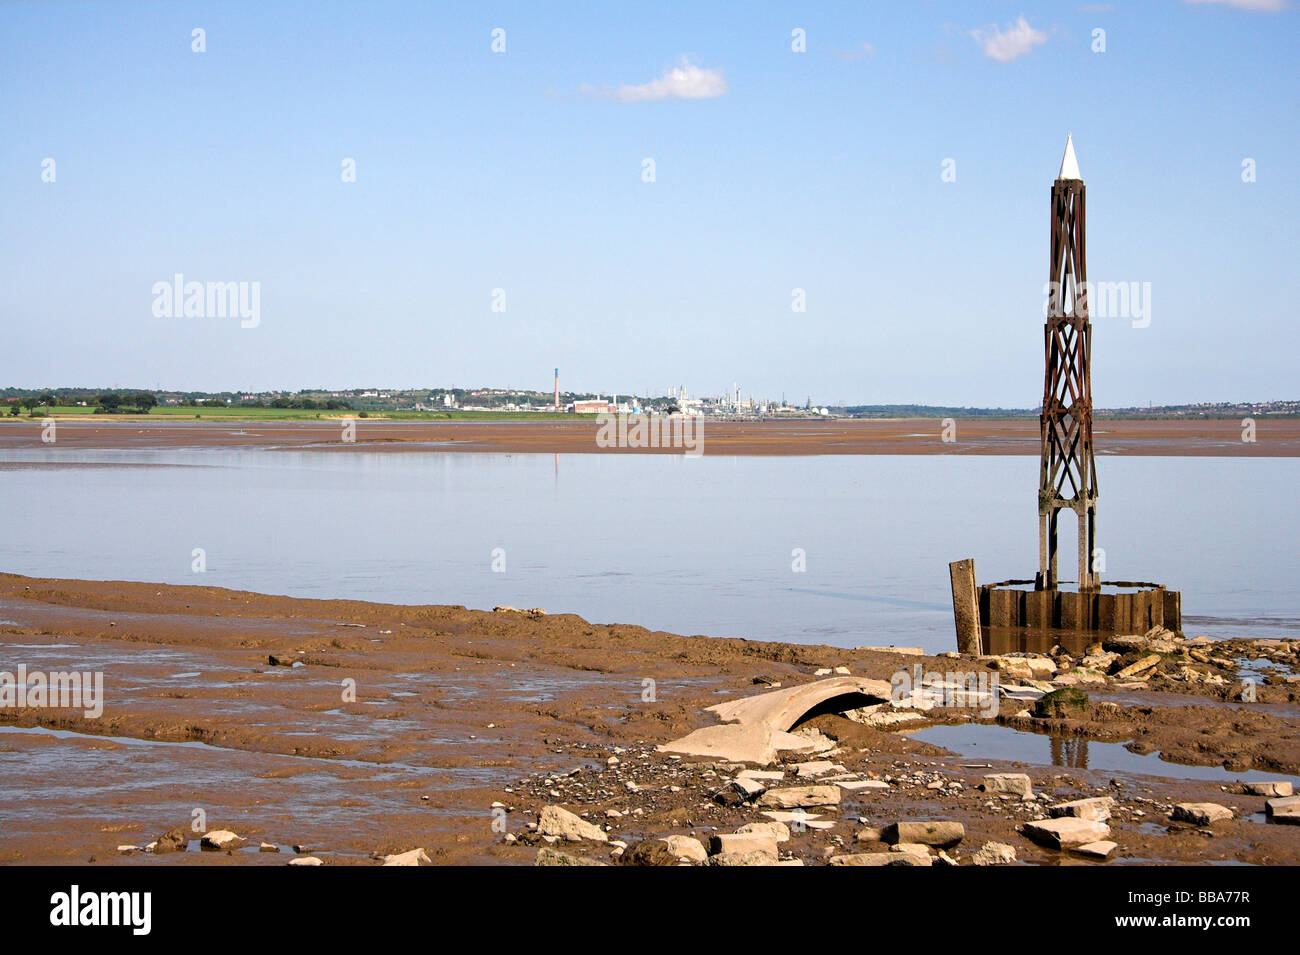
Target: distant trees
(110, 403)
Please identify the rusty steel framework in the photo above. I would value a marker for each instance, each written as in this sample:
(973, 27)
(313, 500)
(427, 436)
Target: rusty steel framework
(1067, 470)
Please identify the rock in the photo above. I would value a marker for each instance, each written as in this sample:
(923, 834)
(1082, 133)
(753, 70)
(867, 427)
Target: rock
(268, 847)
(649, 852)
(413, 857)
(1065, 833)
(941, 833)
(867, 834)
(1268, 789)
(994, 853)
(1061, 703)
(1200, 813)
(686, 849)
(1096, 808)
(743, 843)
(744, 859)
(127, 850)
(1285, 811)
(555, 821)
(855, 784)
(220, 839)
(1018, 784)
(174, 840)
(282, 659)
(1097, 850)
(881, 859)
(549, 856)
(1133, 669)
(775, 830)
(817, 767)
(794, 797)
(842, 671)
(306, 860)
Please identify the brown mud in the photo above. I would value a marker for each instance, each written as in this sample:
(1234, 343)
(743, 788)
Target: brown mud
(455, 710)
(1274, 437)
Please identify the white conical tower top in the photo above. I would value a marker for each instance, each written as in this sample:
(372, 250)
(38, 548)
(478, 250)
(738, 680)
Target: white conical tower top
(1069, 163)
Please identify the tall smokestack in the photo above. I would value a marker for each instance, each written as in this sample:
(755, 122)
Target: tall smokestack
(557, 389)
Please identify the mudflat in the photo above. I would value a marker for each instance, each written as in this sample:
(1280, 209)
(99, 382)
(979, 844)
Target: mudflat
(1273, 437)
(355, 730)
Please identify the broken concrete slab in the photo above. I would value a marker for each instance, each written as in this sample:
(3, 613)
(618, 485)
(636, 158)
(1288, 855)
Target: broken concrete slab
(1268, 788)
(1200, 813)
(853, 785)
(1096, 808)
(816, 767)
(793, 797)
(1065, 833)
(743, 843)
(782, 708)
(1018, 784)
(1285, 811)
(775, 830)
(734, 742)
(941, 833)
(1096, 850)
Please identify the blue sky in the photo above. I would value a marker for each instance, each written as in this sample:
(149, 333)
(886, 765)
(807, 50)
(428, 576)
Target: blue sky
(522, 171)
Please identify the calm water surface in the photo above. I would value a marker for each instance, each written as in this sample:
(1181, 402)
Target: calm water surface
(705, 545)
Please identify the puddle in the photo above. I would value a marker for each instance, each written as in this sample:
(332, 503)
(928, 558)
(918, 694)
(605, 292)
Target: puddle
(1071, 752)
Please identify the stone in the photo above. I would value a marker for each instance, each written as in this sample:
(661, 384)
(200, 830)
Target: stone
(744, 859)
(282, 659)
(817, 767)
(649, 852)
(852, 785)
(220, 839)
(412, 857)
(1133, 669)
(867, 834)
(743, 843)
(1200, 813)
(940, 833)
(994, 853)
(268, 847)
(174, 840)
(776, 830)
(1096, 808)
(555, 821)
(1061, 703)
(1018, 784)
(1268, 788)
(1097, 850)
(549, 856)
(794, 797)
(686, 849)
(1285, 811)
(1065, 833)
(881, 859)
(306, 860)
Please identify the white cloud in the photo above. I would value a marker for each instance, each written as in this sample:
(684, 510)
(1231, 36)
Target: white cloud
(1267, 6)
(684, 81)
(1005, 45)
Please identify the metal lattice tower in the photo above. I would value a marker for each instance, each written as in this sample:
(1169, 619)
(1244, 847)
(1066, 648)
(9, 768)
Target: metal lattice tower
(1067, 471)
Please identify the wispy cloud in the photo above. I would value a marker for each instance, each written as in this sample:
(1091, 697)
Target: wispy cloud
(1005, 45)
(1263, 6)
(858, 53)
(684, 81)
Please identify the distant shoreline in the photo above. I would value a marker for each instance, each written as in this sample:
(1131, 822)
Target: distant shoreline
(1273, 437)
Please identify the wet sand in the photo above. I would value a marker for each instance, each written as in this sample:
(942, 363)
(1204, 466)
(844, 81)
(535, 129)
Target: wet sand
(457, 709)
(1275, 437)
